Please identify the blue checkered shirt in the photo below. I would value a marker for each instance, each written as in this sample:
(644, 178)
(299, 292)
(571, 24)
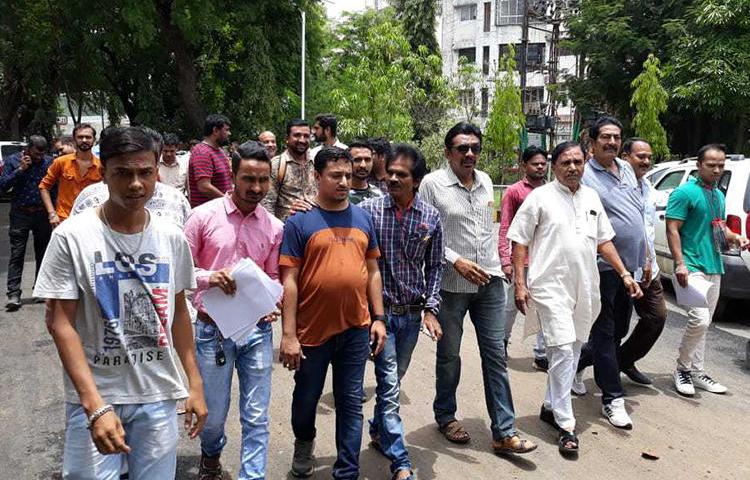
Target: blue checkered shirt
(411, 251)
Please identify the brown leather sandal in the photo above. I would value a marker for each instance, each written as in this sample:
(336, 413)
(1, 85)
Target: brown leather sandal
(454, 432)
(513, 444)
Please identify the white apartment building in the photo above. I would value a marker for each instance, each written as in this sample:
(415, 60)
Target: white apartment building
(480, 32)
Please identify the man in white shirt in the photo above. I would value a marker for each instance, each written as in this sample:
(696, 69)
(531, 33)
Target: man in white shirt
(116, 285)
(172, 171)
(561, 227)
(324, 132)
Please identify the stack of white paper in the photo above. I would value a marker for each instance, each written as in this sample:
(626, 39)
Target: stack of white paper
(694, 295)
(256, 296)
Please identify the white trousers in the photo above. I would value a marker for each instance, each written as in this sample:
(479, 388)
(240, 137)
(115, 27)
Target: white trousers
(692, 351)
(563, 361)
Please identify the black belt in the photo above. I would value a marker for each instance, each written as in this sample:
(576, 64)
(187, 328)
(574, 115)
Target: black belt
(404, 309)
(30, 208)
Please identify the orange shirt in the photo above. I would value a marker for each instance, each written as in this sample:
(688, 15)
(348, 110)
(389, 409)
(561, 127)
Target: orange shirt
(65, 174)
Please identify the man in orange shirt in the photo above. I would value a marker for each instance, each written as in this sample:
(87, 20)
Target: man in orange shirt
(71, 173)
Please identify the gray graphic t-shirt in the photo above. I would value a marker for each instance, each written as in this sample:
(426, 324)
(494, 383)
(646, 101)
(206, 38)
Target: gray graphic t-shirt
(126, 287)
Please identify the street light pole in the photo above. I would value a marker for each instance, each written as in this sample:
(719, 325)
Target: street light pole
(302, 79)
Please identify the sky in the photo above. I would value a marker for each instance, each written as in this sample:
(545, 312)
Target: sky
(336, 7)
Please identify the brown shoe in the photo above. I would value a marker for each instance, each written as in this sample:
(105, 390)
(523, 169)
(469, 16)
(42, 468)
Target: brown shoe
(513, 444)
(210, 468)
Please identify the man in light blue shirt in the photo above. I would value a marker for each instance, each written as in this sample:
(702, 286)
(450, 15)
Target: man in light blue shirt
(651, 308)
(616, 183)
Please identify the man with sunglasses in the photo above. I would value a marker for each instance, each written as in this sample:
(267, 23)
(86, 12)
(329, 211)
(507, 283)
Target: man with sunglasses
(464, 197)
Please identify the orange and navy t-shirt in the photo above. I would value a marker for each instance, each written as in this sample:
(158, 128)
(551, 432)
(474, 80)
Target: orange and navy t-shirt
(330, 248)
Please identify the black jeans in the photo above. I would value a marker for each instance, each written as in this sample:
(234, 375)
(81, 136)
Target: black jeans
(606, 335)
(653, 314)
(21, 223)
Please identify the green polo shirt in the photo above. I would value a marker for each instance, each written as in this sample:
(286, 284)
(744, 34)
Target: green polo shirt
(691, 203)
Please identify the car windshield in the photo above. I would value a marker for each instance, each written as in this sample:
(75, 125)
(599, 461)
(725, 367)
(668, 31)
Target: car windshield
(8, 150)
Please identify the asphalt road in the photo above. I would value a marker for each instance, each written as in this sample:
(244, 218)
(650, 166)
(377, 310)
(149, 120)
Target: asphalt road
(701, 437)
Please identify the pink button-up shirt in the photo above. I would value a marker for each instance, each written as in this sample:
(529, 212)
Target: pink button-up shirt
(512, 200)
(220, 235)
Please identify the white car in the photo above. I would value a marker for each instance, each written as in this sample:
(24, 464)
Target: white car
(735, 184)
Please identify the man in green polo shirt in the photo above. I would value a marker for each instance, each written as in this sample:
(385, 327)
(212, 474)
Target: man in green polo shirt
(696, 233)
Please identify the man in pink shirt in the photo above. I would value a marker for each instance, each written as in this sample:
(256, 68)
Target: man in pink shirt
(534, 163)
(221, 232)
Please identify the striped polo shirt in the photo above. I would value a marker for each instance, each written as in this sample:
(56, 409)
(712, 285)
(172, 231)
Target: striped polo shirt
(208, 162)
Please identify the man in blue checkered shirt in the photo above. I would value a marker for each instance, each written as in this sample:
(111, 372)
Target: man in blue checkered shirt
(410, 237)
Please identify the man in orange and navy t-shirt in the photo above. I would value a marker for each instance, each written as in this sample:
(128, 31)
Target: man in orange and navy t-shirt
(330, 274)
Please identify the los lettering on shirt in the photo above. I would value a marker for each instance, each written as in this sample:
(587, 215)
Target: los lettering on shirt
(146, 267)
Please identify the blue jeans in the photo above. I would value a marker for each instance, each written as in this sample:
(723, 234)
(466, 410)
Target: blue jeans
(485, 309)
(253, 361)
(390, 367)
(150, 432)
(347, 353)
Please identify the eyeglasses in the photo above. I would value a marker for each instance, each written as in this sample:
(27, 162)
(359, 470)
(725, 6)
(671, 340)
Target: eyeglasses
(464, 149)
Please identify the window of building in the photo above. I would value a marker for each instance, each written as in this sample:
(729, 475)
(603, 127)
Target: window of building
(534, 55)
(486, 60)
(487, 15)
(508, 12)
(485, 101)
(467, 12)
(466, 98)
(469, 54)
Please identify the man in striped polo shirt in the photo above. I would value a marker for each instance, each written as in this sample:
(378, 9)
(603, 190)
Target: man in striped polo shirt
(463, 195)
(209, 172)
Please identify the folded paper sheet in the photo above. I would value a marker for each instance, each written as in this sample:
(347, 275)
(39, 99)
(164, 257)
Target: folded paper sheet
(256, 296)
(694, 295)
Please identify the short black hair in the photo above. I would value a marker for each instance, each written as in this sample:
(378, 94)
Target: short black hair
(329, 154)
(564, 147)
(249, 150)
(418, 165)
(462, 128)
(81, 126)
(532, 151)
(38, 142)
(214, 120)
(381, 146)
(68, 140)
(627, 145)
(118, 141)
(711, 146)
(171, 139)
(295, 122)
(361, 144)
(156, 136)
(327, 120)
(601, 122)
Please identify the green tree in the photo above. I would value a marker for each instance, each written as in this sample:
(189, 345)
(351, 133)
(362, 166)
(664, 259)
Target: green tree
(650, 100)
(418, 18)
(506, 120)
(465, 83)
(710, 69)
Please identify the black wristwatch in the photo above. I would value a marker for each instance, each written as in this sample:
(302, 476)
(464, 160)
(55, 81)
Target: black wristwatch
(431, 310)
(378, 318)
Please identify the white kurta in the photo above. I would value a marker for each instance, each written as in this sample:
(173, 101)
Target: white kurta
(562, 231)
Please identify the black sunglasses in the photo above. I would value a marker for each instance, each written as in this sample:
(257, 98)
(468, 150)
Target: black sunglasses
(464, 149)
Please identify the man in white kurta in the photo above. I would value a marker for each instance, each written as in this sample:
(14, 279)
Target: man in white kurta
(562, 226)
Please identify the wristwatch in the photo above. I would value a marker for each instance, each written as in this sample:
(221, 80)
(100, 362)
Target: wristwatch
(378, 318)
(431, 310)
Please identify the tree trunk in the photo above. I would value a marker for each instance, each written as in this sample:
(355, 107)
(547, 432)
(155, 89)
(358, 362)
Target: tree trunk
(739, 134)
(187, 74)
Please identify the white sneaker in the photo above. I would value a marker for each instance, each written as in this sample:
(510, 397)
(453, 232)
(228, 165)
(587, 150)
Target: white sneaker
(704, 382)
(683, 382)
(578, 387)
(616, 414)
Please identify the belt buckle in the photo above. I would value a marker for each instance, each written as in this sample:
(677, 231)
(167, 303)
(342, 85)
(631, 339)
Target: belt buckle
(399, 309)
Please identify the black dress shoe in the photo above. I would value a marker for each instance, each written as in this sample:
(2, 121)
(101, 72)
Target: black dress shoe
(635, 375)
(14, 303)
(541, 364)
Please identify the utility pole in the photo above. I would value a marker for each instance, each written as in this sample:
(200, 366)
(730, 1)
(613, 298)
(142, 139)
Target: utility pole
(554, 62)
(302, 79)
(524, 49)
